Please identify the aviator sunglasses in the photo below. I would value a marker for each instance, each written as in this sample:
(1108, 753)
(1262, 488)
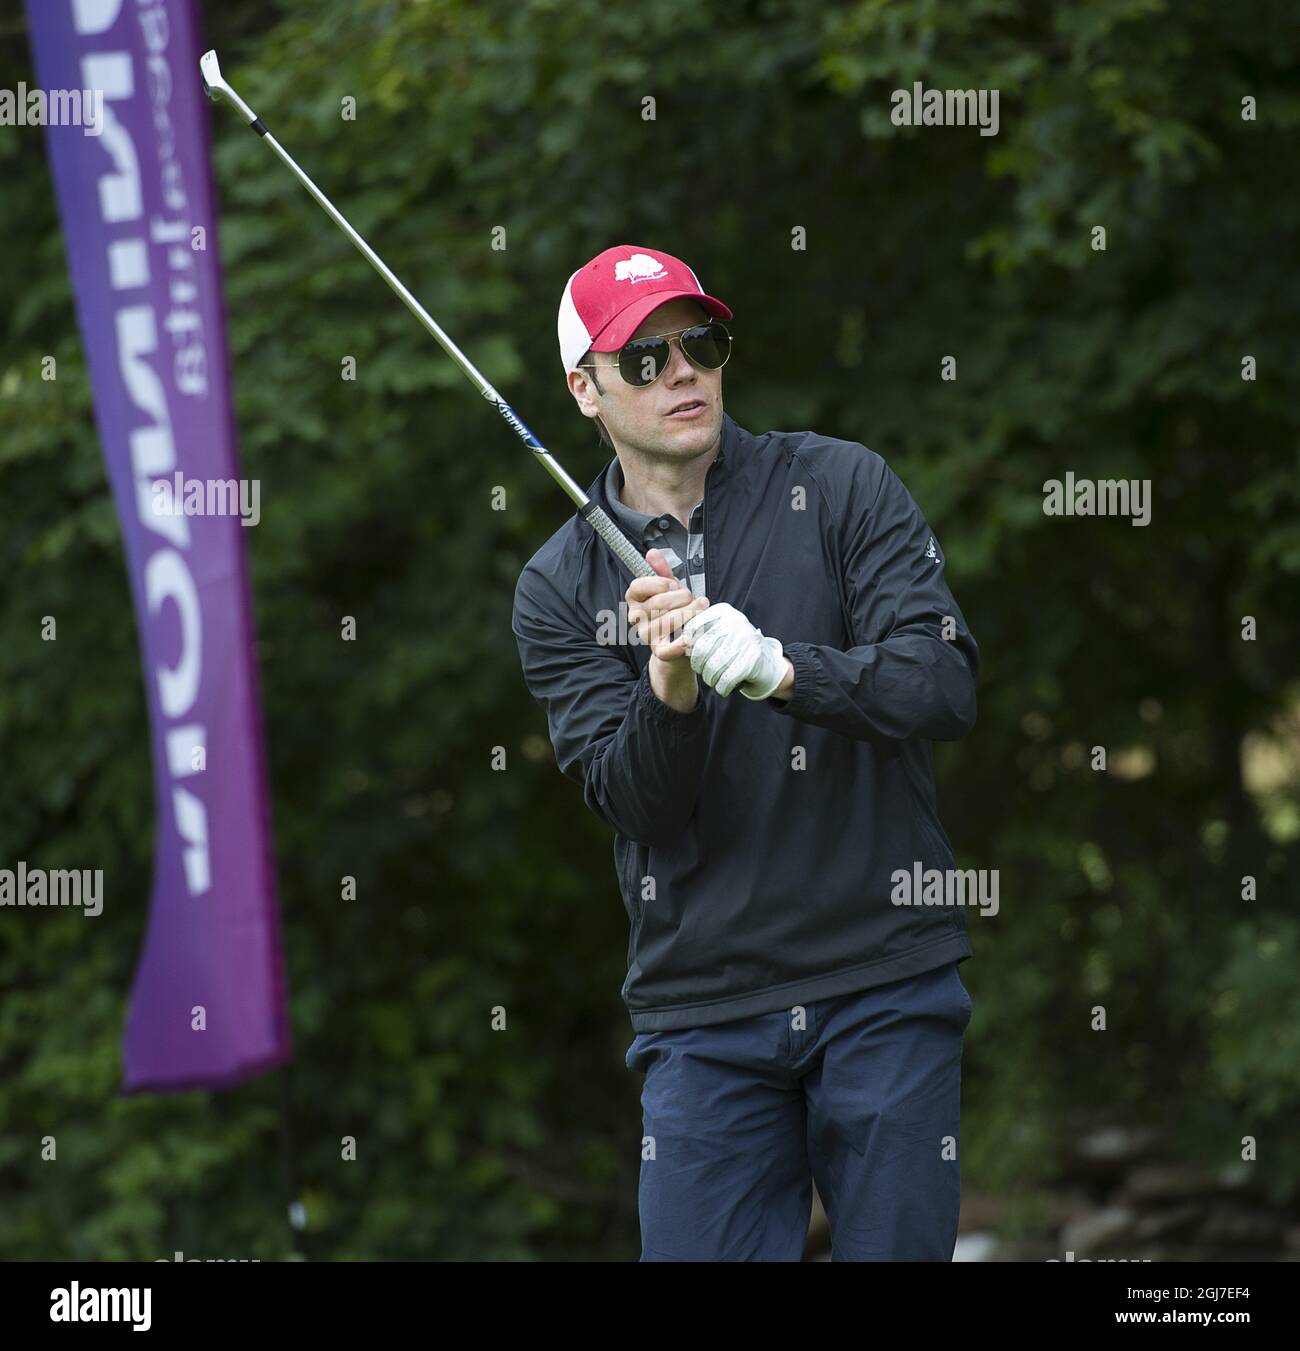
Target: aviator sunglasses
(643, 360)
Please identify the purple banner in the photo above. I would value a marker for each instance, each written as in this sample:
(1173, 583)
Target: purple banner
(131, 165)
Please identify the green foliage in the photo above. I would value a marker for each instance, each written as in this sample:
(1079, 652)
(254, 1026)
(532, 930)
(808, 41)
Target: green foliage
(478, 888)
(1254, 1041)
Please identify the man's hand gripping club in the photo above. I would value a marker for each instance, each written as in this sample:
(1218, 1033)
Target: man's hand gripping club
(660, 607)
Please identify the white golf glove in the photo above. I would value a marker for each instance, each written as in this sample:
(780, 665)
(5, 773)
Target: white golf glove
(728, 653)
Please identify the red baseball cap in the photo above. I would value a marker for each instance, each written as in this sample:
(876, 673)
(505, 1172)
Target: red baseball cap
(606, 300)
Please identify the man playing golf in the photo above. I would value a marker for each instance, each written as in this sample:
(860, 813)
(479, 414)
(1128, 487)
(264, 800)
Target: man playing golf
(753, 724)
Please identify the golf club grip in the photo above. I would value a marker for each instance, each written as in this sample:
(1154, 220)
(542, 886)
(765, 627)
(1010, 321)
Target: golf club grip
(618, 542)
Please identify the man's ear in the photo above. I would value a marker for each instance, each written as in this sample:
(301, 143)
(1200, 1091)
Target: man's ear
(585, 391)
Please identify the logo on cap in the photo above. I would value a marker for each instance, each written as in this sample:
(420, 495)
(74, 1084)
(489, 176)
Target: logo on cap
(639, 267)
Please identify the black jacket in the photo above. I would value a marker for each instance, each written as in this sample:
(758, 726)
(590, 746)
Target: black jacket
(755, 841)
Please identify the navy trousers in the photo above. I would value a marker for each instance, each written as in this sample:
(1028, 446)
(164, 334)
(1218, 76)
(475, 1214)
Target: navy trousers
(860, 1092)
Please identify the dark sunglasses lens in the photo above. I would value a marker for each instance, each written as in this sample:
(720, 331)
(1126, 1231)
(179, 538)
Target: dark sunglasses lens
(641, 360)
(709, 345)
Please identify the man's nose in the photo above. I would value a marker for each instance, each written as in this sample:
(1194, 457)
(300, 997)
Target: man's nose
(678, 362)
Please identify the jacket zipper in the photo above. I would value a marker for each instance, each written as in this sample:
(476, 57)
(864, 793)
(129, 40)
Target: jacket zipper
(704, 527)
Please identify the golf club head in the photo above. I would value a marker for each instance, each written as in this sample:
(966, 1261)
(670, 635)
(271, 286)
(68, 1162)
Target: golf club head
(218, 87)
(210, 69)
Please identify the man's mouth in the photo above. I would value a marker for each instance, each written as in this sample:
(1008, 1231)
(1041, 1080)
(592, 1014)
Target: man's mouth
(688, 408)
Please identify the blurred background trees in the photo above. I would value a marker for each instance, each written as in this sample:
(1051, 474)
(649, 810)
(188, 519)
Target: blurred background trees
(479, 887)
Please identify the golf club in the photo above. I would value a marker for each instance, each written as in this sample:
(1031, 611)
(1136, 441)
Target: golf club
(595, 517)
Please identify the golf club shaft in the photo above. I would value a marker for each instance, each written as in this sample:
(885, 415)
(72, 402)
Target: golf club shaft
(592, 513)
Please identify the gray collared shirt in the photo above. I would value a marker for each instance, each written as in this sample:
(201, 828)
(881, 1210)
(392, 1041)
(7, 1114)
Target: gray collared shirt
(683, 548)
